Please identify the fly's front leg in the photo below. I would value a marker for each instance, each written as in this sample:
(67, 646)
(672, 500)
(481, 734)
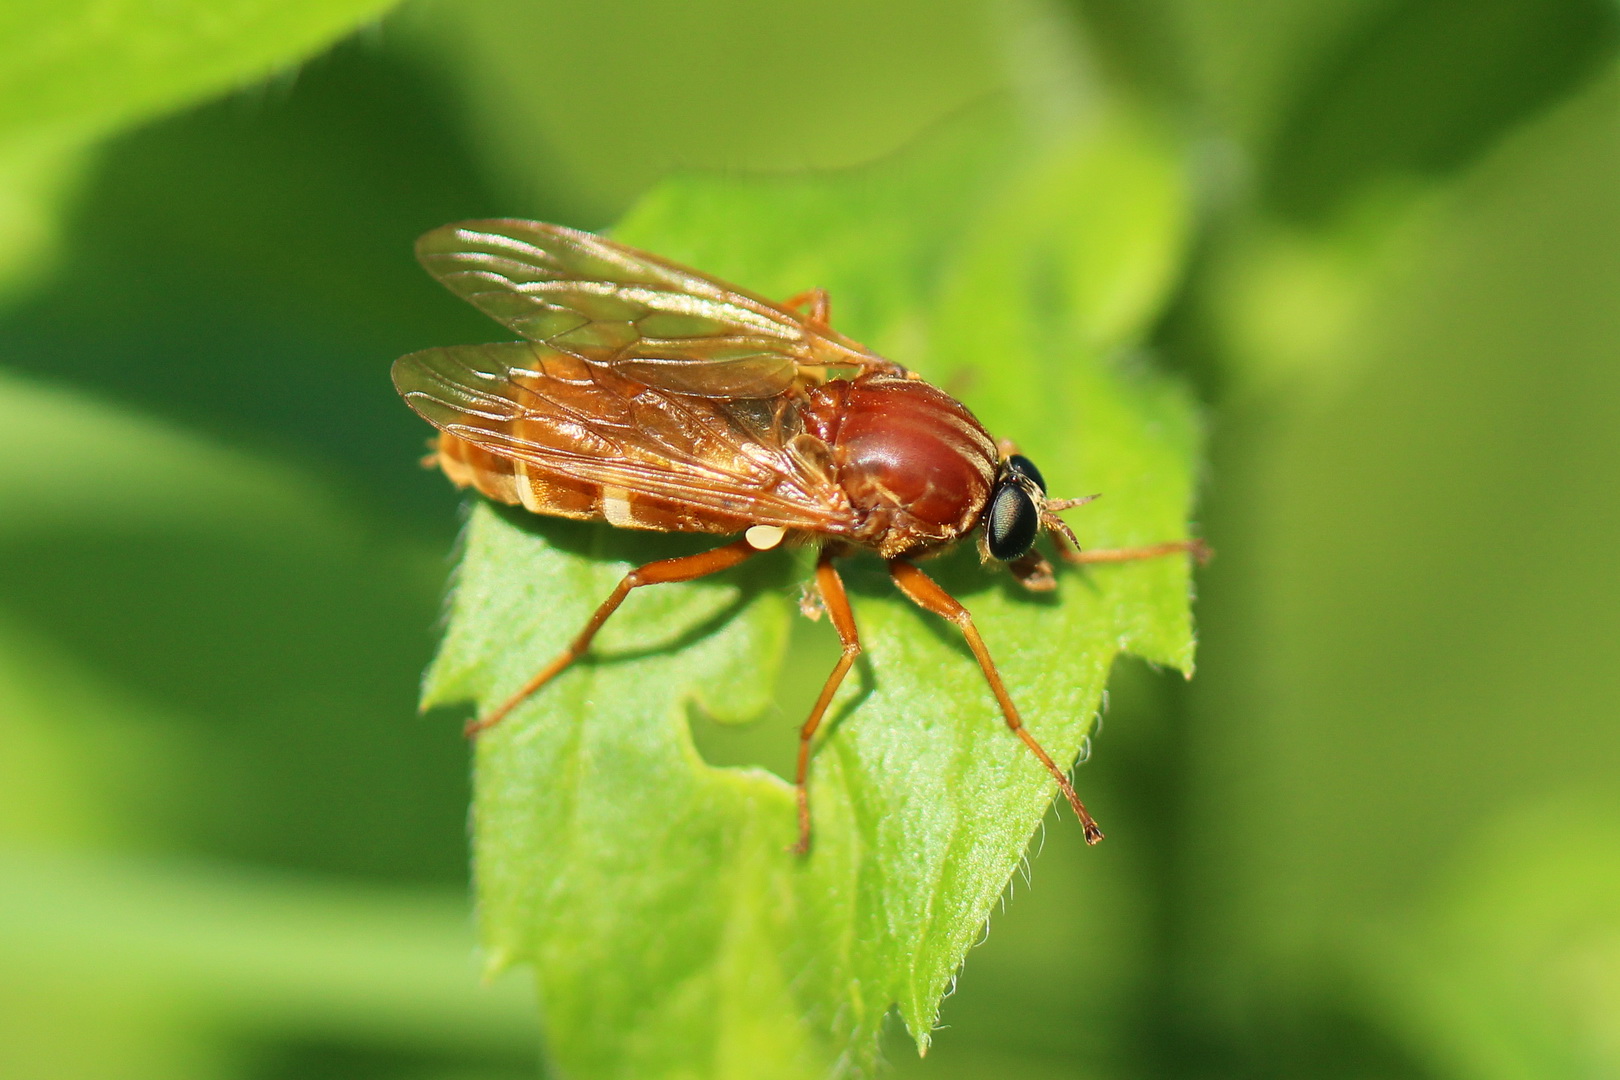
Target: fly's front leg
(685, 568)
(926, 594)
(836, 602)
(1075, 555)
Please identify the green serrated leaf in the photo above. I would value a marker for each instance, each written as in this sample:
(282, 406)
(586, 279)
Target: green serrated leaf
(672, 932)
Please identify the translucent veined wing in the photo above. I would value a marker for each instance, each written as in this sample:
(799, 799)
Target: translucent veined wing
(650, 319)
(579, 423)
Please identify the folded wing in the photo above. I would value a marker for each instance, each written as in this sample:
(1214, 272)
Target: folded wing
(647, 318)
(643, 453)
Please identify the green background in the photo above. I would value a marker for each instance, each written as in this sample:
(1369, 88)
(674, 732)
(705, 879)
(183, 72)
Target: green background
(1377, 836)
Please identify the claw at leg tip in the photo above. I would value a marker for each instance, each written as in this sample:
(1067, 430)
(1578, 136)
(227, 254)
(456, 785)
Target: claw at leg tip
(478, 724)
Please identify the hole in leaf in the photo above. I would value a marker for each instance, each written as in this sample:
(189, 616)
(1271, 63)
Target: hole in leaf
(771, 741)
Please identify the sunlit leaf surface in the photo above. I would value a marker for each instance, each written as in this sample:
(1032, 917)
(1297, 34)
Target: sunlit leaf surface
(672, 932)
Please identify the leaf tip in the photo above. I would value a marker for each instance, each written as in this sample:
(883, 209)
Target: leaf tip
(497, 962)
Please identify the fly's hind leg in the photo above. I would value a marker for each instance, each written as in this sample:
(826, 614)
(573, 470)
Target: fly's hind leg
(926, 594)
(820, 304)
(842, 353)
(833, 597)
(685, 568)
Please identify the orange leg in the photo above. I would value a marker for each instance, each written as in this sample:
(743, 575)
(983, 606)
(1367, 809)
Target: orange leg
(685, 568)
(831, 587)
(927, 594)
(1073, 554)
(820, 304)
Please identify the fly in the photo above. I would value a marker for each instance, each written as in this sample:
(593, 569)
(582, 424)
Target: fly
(651, 396)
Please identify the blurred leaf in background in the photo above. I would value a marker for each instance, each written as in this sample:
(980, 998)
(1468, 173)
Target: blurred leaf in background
(1374, 838)
(212, 623)
(593, 103)
(1431, 621)
(75, 71)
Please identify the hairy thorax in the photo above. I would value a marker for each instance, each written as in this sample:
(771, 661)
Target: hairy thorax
(916, 465)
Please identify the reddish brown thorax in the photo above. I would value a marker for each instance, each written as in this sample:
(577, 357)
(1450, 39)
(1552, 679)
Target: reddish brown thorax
(916, 465)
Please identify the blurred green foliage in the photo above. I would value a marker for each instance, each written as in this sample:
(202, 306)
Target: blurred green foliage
(73, 72)
(1376, 837)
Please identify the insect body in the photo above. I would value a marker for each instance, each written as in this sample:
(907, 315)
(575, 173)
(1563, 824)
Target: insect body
(650, 396)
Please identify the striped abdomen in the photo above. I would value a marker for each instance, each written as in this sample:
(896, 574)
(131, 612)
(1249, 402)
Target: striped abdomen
(518, 484)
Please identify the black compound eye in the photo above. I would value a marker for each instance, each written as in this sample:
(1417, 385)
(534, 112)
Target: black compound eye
(1021, 465)
(1012, 523)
